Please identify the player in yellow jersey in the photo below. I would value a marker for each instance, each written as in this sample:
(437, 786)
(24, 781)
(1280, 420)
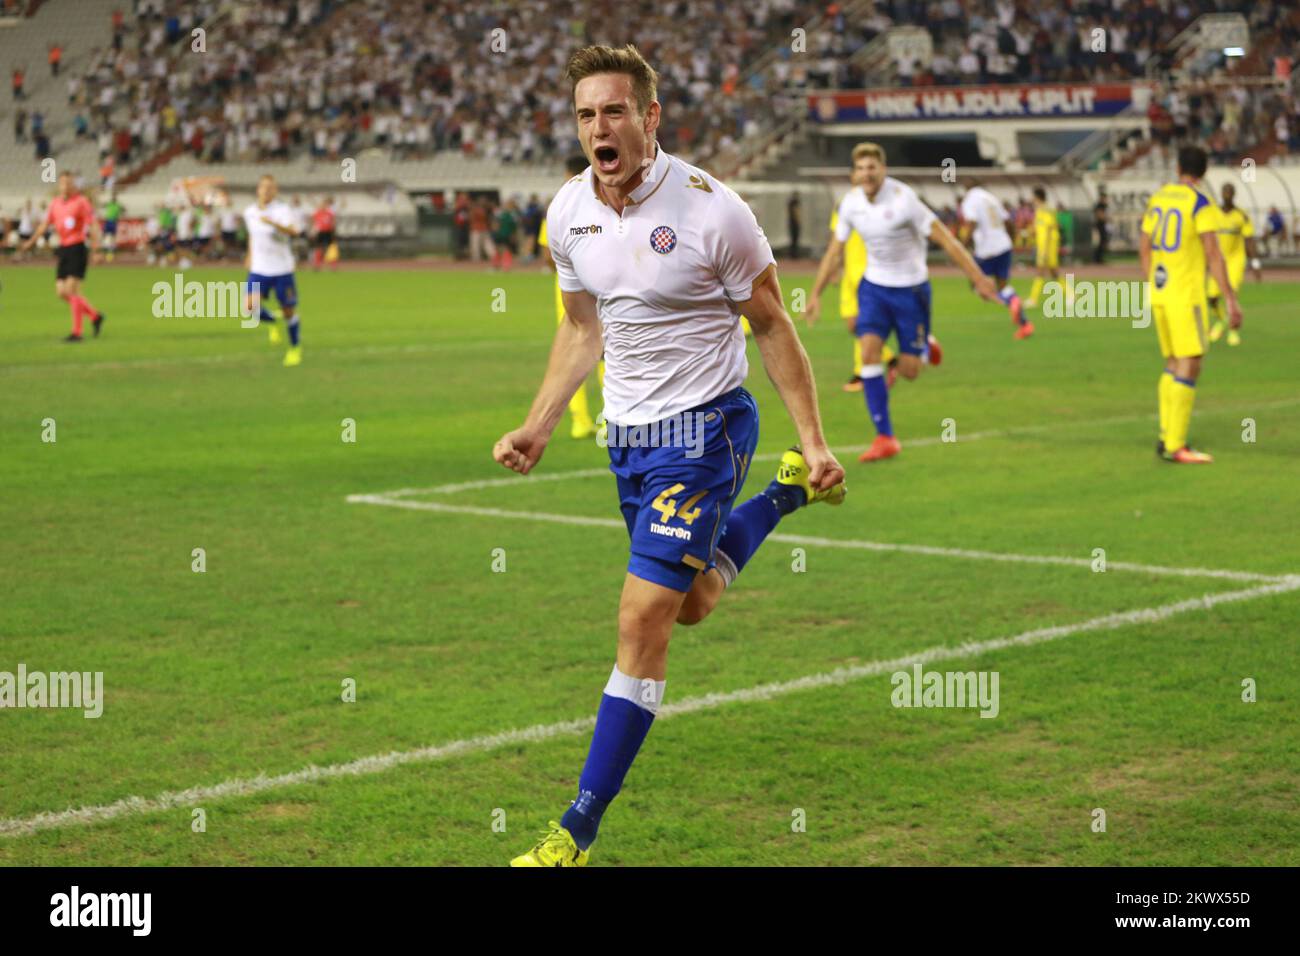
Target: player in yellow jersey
(1236, 241)
(1178, 246)
(1047, 248)
(582, 425)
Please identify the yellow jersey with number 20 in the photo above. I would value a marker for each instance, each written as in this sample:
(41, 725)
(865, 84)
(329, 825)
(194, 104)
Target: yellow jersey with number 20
(1176, 217)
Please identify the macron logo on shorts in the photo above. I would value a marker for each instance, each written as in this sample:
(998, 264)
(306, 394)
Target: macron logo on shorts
(670, 532)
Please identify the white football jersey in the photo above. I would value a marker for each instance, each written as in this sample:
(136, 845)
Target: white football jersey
(271, 254)
(894, 227)
(982, 209)
(667, 275)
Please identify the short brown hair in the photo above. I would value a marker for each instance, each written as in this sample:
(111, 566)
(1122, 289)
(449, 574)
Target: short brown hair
(869, 151)
(627, 60)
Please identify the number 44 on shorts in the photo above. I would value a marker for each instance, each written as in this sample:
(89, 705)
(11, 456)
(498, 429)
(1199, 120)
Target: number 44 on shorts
(667, 506)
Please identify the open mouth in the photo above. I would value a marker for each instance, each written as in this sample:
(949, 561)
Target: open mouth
(606, 159)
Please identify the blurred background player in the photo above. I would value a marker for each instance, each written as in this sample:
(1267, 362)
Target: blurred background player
(112, 213)
(1047, 248)
(272, 226)
(1236, 242)
(167, 233)
(229, 230)
(894, 295)
(26, 223)
(1178, 241)
(72, 217)
(185, 234)
(855, 264)
(505, 225)
(322, 221)
(582, 425)
(986, 222)
(204, 230)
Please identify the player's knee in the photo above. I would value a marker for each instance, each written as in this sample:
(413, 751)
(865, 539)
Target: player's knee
(909, 370)
(693, 611)
(643, 623)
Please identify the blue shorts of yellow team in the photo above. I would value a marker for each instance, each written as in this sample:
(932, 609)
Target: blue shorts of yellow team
(903, 310)
(283, 286)
(999, 266)
(675, 496)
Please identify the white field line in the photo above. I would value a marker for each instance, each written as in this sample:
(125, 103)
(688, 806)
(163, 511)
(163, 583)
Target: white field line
(378, 763)
(922, 442)
(387, 500)
(235, 357)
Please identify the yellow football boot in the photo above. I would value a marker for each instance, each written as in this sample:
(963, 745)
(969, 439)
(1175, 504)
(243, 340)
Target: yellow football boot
(793, 470)
(273, 333)
(293, 356)
(556, 848)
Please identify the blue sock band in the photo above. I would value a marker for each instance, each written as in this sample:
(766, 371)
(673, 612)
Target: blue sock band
(877, 395)
(753, 521)
(1189, 382)
(293, 331)
(621, 727)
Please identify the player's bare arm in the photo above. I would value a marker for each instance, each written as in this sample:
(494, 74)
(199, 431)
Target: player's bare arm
(292, 231)
(1144, 256)
(575, 352)
(962, 259)
(788, 367)
(832, 260)
(1219, 270)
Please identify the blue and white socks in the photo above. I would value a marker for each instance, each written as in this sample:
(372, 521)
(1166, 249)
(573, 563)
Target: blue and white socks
(876, 393)
(627, 709)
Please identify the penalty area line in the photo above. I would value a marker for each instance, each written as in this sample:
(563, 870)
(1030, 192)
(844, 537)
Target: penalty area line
(379, 763)
(386, 500)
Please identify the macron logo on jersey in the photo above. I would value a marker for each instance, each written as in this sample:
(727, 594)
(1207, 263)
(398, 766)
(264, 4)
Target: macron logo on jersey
(592, 230)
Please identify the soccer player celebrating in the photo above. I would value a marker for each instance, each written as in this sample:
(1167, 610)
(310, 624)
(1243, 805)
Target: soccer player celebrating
(662, 258)
(1047, 248)
(272, 225)
(1177, 244)
(72, 216)
(990, 226)
(1236, 242)
(894, 295)
(582, 426)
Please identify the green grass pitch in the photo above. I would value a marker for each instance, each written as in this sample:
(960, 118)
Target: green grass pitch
(176, 434)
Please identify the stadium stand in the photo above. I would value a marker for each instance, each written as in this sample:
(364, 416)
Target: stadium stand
(431, 100)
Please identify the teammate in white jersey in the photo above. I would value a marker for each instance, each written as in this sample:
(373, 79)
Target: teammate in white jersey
(656, 262)
(988, 224)
(271, 226)
(894, 295)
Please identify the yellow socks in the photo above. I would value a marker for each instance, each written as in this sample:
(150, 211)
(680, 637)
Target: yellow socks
(1182, 396)
(1036, 289)
(857, 358)
(1162, 393)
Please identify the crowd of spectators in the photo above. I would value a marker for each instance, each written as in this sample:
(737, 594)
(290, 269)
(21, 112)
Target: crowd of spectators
(414, 77)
